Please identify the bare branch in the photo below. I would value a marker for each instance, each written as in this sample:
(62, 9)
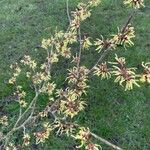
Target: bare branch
(67, 5)
(106, 142)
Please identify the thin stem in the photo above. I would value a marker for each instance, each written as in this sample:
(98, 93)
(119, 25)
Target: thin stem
(100, 59)
(67, 5)
(106, 142)
(80, 49)
(30, 106)
(20, 117)
(128, 21)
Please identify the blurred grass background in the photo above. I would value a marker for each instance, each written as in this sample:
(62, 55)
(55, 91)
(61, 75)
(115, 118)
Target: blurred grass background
(120, 117)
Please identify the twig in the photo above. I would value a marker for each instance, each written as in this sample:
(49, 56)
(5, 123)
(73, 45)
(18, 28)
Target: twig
(67, 5)
(100, 59)
(80, 50)
(106, 142)
(128, 21)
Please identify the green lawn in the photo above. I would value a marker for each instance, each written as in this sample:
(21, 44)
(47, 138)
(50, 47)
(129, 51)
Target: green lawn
(118, 116)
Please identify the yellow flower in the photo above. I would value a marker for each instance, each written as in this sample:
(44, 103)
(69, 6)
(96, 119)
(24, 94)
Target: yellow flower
(12, 80)
(26, 139)
(33, 64)
(71, 108)
(103, 71)
(28, 74)
(123, 74)
(78, 77)
(71, 37)
(4, 120)
(93, 3)
(48, 88)
(39, 77)
(19, 87)
(83, 136)
(29, 62)
(23, 103)
(100, 44)
(79, 15)
(92, 146)
(124, 37)
(86, 43)
(75, 24)
(66, 52)
(11, 147)
(43, 135)
(145, 76)
(17, 72)
(54, 58)
(134, 3)
(21, 94)
(59, 34)
(43, 114)
(46, 43)
(74, 73)
(119, 61)
(64, 127)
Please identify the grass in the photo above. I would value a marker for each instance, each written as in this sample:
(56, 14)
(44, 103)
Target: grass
(121, 117)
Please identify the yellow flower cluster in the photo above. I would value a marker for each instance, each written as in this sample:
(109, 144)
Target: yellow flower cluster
(62, 40)
(23, 103)
(124, 37)
(43, 114)
(43, 135)
(26, 139)
(47, 43)
(16, 73)
(48, 88)
(60, 43)
(84, 136)
(11, 146)
(71, 105)
(100, 44)
(123, 74)
(29, 62)
(79, 15)
(53, 58)
(134, 3)
(21, 95)
(92, 146)
(145, 76)
(82, 13)
(39, 77)
(102, 70)
(86, 43)
(63, 127)
(104, 44)
(93, 3)
(4, 120)
(78, 77)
